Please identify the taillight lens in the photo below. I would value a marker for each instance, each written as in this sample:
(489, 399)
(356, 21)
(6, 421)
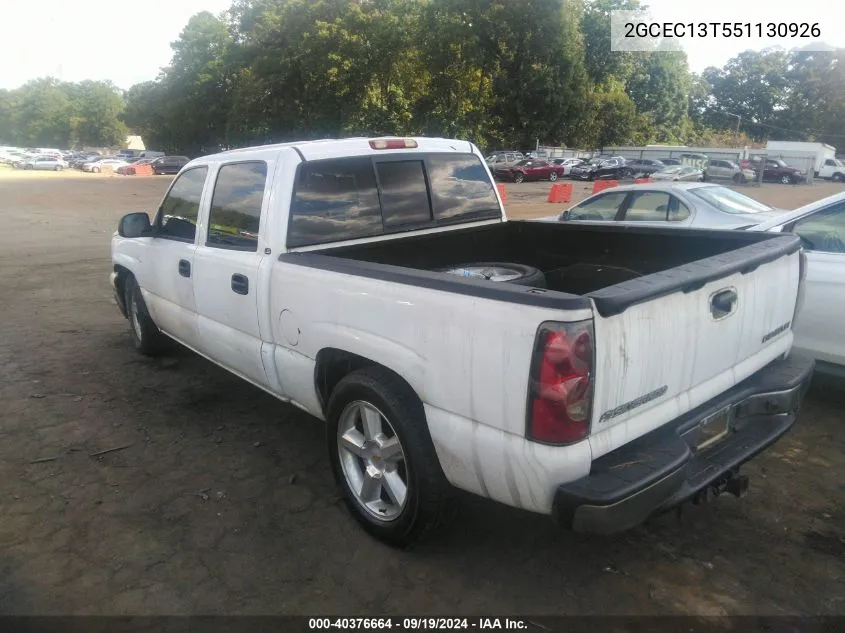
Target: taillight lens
(393, 143)
(560, 391)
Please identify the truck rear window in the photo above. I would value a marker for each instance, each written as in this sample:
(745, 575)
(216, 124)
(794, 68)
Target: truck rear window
(350, 198)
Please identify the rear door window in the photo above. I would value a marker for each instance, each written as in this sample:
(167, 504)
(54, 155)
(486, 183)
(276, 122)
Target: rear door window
(648, 206)
(236, 206)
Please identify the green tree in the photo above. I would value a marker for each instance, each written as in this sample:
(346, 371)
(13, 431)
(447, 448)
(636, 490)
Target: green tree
(753, 85)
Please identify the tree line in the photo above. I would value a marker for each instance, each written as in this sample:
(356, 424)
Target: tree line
(501, 73)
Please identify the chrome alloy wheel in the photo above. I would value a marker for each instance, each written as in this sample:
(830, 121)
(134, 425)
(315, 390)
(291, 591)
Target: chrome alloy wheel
(372, 460)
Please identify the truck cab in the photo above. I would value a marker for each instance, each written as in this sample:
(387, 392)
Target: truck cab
(832, 169)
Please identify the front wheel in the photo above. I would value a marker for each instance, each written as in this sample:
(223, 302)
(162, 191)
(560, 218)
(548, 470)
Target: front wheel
(553, 176)
(785, 180)
(383, 458)
(519, 178)
(96, 170)
(58, 168)
(146, 337)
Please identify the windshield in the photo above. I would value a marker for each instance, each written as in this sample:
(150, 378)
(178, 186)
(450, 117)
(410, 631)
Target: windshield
(524, 162)
(729, 201)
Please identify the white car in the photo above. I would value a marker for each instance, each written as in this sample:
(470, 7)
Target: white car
(378, 285)
(567, 164)
(98, 166)
(820, 323)
(50, 163)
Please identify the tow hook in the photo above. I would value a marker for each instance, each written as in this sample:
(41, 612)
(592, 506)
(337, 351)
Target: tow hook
(737, 485)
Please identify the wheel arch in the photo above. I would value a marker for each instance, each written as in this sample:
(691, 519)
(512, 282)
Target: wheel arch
(122, 274)
(334, 364)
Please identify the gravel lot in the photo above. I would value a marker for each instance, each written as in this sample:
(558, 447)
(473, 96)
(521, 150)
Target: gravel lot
(218, 499)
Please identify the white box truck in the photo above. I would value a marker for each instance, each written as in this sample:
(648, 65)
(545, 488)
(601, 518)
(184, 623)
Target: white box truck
(822, 152)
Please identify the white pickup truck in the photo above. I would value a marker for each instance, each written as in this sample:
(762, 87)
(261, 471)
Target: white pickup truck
(599, 374)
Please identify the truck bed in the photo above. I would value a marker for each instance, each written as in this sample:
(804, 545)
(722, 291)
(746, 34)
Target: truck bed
(614, 266)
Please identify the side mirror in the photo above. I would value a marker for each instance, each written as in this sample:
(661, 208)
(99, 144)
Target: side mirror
(134, 225)
(565, 215)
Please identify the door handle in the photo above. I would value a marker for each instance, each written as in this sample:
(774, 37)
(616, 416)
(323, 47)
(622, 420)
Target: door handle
(240, 284)
(184, 268)
(722, 303)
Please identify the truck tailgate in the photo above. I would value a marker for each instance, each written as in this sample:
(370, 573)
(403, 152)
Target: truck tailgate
(666, 343)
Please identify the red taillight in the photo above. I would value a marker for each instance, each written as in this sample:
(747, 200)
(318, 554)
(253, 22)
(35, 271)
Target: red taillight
(560, 392)
(393, 143)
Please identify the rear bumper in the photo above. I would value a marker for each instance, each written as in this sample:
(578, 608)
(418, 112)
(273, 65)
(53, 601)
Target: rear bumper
(663, 469)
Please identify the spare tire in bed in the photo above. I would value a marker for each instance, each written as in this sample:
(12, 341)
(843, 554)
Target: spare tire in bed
(519, 274)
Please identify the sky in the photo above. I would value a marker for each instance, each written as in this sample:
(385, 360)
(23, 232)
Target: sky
(121, 40)
(127, 42)
(716, 52)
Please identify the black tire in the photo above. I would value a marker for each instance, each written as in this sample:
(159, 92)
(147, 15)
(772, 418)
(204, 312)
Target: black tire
(96, 170)
(146, 337)
(553, 176)
(837, 177)
(739, 179)
(518, 177)
(786, 180)
(58, 168)
(429, 498)
(528, 275)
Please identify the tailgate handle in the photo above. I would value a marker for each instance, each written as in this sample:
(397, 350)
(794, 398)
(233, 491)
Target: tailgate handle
(722, 303)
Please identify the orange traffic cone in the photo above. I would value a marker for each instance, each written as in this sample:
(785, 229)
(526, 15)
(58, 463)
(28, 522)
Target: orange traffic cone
(503, 192)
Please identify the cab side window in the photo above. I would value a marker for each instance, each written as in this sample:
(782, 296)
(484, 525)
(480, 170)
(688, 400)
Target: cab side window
(177, 217)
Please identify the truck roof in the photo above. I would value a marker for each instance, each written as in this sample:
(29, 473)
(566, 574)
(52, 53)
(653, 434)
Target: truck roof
(332, 148)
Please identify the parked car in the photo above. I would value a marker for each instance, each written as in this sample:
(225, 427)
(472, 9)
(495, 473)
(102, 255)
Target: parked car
(832, 169)
(397, 306)
(169, 164)
(50, 163)
(104, 163)
(679, 173)
(728, 170)
(529, 169)
(644, 166)
(567, 163)
(80, 159)
(776, 170)
(136, 162)
(597, 168)
(818, 323)
(670, 162)
(699, 205)
(10, 157)
(497, 159)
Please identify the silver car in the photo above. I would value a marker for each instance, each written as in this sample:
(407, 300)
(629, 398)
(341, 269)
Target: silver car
(698, 205)
(50, 163)
(729, 170)
(682, 173)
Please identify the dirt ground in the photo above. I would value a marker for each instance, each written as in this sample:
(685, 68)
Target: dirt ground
(210, 497)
